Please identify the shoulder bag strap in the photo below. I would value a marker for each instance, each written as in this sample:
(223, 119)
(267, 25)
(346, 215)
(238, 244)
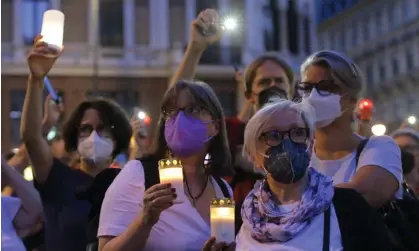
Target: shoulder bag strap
(223, 187)
(151, 172)
(360, 148)
(326, 230)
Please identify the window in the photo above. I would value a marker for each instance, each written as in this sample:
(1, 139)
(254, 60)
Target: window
(395, 66)
(366, 29)
(407, 12)
(307, 36)
(293, 20)
(111, 16)
(355, 34)
(370, 75)
(409, 59)
(32, 15)
(271, 26)
(378, 23)
(382, 72)
(177, 11)
(342, 40)
(127, 99)
(201, 5)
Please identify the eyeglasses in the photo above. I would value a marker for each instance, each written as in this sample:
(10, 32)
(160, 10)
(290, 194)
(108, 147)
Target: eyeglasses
(189, 111)
(86, 129)
(323, 87)
(275, 137)
(266, 82)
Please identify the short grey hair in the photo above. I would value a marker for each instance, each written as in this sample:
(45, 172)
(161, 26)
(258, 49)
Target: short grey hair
(268, 116)
(343, 71)
(406, 132)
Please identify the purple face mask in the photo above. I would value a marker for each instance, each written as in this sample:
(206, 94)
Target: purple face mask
(185, 136)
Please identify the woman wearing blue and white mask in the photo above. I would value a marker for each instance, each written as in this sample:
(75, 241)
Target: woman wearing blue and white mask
(331, 84)
(295, 207)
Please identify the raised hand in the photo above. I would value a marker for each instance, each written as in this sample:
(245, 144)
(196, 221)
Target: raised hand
(157, 199)
(52, 111)
(205, 19)
(41, 58)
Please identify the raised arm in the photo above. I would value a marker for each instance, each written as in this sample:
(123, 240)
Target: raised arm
(197, 45)
(40, 61)
(30, 213)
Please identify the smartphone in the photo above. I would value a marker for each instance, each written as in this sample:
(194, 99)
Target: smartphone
(141, 115)
(54, 96)
(210, 31)
(236, 68)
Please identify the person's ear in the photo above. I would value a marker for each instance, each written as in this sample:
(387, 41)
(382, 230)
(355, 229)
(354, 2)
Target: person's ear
(215, 128)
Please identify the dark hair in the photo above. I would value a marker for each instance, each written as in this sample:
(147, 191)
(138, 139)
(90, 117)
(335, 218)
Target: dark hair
(220, 164)
(9, 156)
(251, 70)
(112, 116)
(408, 161)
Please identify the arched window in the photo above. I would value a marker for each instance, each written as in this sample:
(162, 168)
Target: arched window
(292, 18)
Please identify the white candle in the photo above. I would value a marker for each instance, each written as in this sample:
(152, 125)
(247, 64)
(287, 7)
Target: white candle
(170, 171)
(222, 220)
(53, 28)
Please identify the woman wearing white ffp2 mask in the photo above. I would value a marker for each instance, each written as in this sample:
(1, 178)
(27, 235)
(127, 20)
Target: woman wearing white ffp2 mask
(331, 84)
(96, 148)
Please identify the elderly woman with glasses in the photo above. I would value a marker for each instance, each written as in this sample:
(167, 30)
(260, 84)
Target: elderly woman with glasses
(295, 207)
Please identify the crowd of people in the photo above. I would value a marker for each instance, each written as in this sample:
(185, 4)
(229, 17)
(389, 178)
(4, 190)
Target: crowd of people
(301, 177)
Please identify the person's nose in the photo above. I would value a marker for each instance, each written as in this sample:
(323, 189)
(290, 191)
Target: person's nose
(272, 83)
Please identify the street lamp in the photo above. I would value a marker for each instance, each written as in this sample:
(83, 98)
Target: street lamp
(378, 129)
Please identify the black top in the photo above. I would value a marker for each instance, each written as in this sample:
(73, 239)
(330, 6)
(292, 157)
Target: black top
(95, 194)
(65, 216)
(361, 227)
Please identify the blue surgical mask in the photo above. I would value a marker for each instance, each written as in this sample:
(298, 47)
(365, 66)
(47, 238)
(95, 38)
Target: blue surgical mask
(288, 162)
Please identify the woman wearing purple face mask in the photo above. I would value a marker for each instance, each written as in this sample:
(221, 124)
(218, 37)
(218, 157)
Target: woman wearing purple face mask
(191, 126)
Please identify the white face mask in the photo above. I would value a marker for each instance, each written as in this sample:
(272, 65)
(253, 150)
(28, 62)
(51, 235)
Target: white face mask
(327, 108)
(95, 148)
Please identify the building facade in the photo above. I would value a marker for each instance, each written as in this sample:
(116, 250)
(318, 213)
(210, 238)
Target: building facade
(128, 49)
(382, 36)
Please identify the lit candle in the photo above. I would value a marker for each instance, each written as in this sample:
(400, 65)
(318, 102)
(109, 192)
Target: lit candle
(171, 171)
(222, 220)
(53, 28)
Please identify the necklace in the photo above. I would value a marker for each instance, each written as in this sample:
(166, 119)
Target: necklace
(194, 199)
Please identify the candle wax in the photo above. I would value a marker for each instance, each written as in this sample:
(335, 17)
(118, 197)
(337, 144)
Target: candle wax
(222, 224)
(174, 175)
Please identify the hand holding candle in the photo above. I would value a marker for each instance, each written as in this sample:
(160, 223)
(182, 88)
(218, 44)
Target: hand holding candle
(171, 171)
(222, 220)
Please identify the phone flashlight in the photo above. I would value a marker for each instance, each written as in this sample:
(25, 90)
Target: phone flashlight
(51, 90)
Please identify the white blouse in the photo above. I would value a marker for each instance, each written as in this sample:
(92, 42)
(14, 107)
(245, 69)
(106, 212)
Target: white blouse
(180, 228)
(310, 238)
(10, 241)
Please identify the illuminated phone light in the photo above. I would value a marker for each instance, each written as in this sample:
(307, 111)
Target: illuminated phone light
(411, 120)
(28, 174)
(378, 129)
(147, 120)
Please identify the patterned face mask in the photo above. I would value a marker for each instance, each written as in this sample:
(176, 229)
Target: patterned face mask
(288, 162)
